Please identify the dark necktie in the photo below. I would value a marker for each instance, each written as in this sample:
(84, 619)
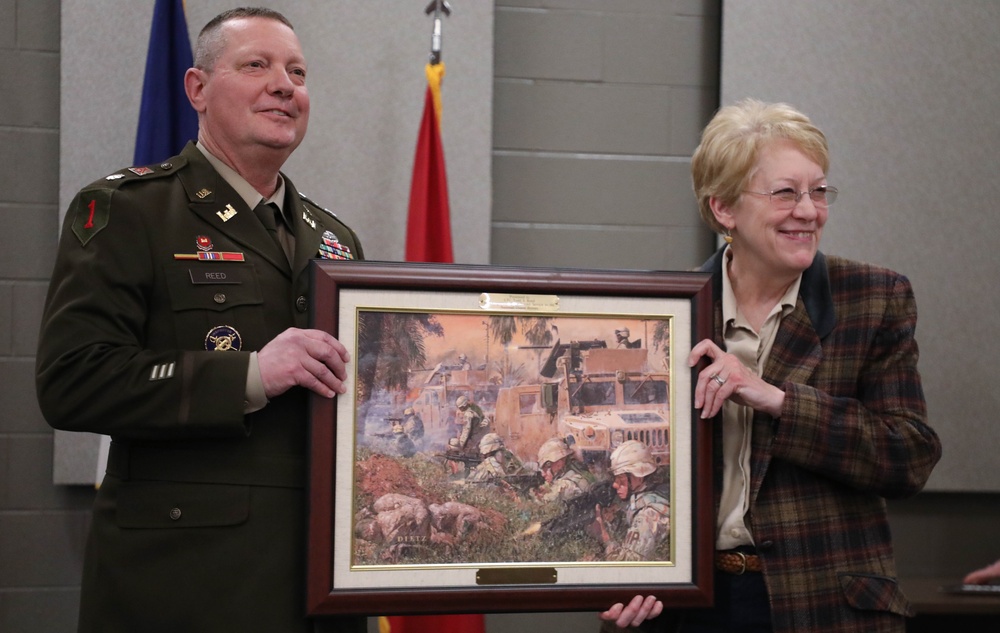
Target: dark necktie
(268, 213)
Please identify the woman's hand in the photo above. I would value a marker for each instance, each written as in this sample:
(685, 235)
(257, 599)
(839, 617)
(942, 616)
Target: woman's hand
(635, 613)
(726, 378)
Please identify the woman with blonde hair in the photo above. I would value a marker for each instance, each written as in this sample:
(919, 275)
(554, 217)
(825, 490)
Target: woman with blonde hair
(811, 382)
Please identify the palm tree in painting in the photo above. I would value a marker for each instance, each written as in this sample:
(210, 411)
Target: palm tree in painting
(390, 344)
(661, 335)
(537, 331)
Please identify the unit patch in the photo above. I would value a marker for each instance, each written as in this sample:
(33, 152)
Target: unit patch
(223, 338)
(93, 208)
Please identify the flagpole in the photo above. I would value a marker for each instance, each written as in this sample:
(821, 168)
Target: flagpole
(428, 233)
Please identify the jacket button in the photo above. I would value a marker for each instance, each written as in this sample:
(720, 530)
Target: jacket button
(166, 165)
(301, 304)
(219, 297)
(175, 513)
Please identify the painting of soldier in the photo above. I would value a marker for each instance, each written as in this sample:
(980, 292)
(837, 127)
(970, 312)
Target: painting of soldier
(445, 447)
(453, 522)
(396, 522)
(565, 477)
(644, 526)
(497, 462)
(413, 426)
(472, 426)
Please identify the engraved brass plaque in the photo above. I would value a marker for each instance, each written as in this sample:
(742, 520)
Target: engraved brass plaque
(518, 302)
(517, 576)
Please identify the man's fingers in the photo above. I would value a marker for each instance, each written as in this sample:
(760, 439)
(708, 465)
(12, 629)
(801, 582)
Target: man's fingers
(312, 359)
(328, 339)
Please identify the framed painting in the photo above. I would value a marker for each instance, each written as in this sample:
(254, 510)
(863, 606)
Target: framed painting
(512, 439)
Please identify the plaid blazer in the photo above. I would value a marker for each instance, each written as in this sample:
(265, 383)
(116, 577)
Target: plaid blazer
(853, 432)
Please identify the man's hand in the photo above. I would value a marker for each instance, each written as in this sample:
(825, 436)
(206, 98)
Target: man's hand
(308, 358)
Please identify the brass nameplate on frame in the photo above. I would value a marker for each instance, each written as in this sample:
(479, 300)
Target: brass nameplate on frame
(518, 302)
(517, 576)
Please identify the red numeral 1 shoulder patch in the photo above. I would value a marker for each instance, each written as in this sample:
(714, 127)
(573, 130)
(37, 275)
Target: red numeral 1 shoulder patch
(92, 211)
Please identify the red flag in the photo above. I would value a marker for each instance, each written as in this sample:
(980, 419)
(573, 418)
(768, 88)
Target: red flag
(463, 623)
(428, 232)
(428, 239)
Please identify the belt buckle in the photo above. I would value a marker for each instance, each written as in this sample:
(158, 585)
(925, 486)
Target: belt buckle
(743, 563)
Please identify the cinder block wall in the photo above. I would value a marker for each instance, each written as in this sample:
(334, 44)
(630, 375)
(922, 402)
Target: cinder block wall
(597, 108)
(42, 526)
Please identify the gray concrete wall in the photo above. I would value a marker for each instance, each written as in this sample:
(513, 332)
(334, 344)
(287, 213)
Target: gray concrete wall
(42, 527)
(597, 110)
(906, 92)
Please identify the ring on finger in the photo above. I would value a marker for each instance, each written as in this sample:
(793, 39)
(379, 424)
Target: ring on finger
(718, 379)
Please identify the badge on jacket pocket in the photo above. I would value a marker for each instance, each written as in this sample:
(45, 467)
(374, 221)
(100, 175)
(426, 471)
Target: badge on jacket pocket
(223, 338)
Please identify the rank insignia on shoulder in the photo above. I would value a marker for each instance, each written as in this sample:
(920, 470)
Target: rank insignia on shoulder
(223, 338)
(93, 209)
(140, 171)
(114, 177)
(309, 219)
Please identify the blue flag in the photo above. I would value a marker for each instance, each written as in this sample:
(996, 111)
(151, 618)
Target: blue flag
(166, 119)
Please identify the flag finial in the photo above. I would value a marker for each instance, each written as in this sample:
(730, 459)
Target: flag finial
(437, 7)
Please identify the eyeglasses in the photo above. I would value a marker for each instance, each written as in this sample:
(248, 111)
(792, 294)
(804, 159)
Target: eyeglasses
(788, 198)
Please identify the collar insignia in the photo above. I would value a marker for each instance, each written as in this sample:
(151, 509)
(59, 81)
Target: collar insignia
(227, 214)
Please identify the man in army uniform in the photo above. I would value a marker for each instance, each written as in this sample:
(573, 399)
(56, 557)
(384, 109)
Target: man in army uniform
(497, 461)
(402, 445)
(463, 449)
(473, 422)
(175, 323)
(413, 426)
(565, 477)
(647, 517)
(463, 363)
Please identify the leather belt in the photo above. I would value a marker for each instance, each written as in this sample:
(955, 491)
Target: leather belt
(737, 563)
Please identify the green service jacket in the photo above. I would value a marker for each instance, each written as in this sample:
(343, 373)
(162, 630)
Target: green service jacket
(164, 283)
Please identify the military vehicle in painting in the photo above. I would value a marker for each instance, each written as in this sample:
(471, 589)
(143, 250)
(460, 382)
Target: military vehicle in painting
(434, 397)
(595, 397)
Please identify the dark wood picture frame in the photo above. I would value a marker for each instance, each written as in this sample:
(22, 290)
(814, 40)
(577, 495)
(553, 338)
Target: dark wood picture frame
(523, 588)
